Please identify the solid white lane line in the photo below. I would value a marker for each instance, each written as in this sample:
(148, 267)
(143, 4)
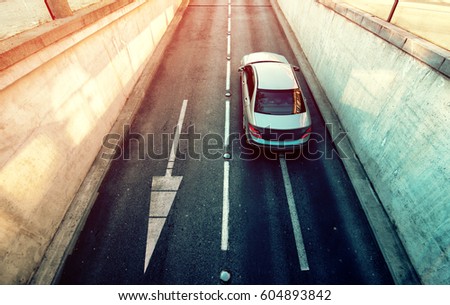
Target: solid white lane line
(294, 217)
(226, 205)
(176, 139)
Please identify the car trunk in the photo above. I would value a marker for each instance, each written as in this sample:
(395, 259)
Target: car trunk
(282, 127)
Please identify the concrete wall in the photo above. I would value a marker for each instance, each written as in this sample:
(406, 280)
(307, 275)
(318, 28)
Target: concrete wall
(17, 15)
(78, 4)
(55, 107)
(396, 110)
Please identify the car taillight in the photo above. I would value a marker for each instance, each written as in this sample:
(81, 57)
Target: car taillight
(307, 132)
(254, 131)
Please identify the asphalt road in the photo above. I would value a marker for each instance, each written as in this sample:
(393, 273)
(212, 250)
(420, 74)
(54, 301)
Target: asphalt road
(264, 217)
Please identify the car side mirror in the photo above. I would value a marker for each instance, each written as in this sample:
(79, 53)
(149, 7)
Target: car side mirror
(297, 69)
(241, 68)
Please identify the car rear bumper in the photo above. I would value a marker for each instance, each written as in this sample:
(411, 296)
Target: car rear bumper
(277, 145)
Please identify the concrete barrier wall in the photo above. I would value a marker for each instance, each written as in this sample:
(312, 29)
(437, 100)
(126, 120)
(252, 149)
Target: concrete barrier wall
(396, 110)
(78, 4)
(17, 15)
(56, 105)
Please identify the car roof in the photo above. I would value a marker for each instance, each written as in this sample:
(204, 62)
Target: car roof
(263, 57)
(275, 76)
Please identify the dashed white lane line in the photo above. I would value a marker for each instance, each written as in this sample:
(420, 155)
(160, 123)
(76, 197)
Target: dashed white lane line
(304, 266)
(226, 205)
(227, 85)
(228, 47)
(227, 124)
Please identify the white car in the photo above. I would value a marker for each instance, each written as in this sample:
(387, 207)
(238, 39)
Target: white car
(275, 113)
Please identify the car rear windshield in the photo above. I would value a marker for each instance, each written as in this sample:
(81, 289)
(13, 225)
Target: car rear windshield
(279, 102)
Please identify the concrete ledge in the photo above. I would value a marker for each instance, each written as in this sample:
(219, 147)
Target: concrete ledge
(426, 52)
(48, 44)
(370, 24)
(22, 45)
(395, 36)
(352, 13)
(419, 48)
(445, 67)
(329, 3)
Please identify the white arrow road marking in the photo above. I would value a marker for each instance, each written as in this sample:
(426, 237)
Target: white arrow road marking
(164, 190)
